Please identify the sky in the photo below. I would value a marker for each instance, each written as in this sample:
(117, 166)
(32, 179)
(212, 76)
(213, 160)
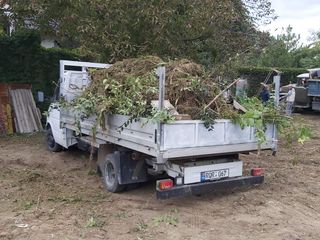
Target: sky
(302, 15)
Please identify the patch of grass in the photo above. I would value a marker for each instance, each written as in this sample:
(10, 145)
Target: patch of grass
(93, 172)
(31, 176)
(68, 200)
(6, 173)
(167, 219)
(28, 205)
(174, 210)
(101, 197)
(141, 226)
(26, 138)
(94, 222)
(295, 160)
(122, 215)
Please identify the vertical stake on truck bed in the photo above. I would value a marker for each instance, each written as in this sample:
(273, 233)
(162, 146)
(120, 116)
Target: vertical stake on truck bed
(161, 73)
(276, 82)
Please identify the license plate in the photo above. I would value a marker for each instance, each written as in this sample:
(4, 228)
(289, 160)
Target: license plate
(214, 175)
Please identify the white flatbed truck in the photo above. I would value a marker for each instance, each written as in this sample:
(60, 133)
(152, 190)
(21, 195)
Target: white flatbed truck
(193, 159)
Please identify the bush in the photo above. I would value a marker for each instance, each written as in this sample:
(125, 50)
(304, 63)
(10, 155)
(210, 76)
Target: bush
(23, 60)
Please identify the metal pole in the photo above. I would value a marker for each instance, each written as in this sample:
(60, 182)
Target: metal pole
(276, 81)
(161, 73)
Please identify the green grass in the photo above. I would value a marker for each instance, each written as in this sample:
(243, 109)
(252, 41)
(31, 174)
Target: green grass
(122, 215)
(94, 222)
(67, 199)
(167, 219)
(25, 138)
(28, 205)
(141, 226)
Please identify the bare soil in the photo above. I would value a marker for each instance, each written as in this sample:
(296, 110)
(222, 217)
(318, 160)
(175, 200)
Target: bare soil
(46, 195)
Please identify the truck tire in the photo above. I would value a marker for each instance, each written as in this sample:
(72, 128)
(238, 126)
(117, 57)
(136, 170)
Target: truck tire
(51, 143)
(110, 174)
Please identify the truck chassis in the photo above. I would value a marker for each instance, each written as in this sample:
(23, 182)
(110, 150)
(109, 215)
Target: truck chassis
(196, 160)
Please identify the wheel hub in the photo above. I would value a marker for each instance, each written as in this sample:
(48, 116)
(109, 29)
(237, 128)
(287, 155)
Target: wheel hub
(110, 176)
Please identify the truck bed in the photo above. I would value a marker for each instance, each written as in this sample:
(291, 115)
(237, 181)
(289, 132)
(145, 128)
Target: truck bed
(180, 139)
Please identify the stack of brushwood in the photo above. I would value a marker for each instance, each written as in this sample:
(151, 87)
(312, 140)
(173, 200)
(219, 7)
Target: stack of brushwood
(130, 86)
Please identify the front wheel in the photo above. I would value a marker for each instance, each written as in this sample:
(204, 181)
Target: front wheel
(110, 174)
(51, 143)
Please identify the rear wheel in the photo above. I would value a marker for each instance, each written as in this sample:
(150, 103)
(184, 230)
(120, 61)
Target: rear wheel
(51, 143)
(110, 176)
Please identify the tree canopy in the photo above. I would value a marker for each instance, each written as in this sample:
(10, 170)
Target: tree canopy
(285, 51)
(208, 31)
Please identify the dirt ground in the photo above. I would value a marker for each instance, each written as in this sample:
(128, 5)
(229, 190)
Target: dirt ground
(46, 195)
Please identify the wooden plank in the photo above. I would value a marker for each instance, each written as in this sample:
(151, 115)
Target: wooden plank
(22, 109)
(40, 117)
(38, 113)
(216, 97)
(16, 125)
(28, 114)
(35, 110)
(19, 112)
(182, 117)
(2, 120)
(9, 119)
(24, 104)
(32, 118)
(17, 119)
(238, 106)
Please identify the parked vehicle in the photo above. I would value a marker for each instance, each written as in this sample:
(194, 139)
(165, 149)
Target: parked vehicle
(193, 159)
(307, 90)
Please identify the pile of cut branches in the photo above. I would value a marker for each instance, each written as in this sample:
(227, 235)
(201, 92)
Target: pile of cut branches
(128, 87)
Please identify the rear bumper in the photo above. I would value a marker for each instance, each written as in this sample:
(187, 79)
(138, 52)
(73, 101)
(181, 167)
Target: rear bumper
(207, 187)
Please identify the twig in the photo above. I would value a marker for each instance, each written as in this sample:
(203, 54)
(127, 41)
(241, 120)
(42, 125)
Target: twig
(216, 97)
(38, 202)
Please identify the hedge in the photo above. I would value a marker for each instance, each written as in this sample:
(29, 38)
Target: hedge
(23, 60)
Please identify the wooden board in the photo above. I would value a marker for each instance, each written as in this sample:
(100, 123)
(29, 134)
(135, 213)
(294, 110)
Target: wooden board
(4, 117)
(3, 130)
(35, 111)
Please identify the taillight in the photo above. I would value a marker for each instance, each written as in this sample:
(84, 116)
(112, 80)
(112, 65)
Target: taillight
(257, 172)
(165, 184)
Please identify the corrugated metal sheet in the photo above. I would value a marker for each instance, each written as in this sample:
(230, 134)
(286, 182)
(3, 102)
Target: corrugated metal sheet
(27, 117)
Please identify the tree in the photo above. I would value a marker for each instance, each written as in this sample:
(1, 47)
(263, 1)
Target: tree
(309, 56)
(4, 20)
(276, 51)
(205, 30)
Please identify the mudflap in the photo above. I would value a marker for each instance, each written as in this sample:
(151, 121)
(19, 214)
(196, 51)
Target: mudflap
(129, 170)
(207, 187)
